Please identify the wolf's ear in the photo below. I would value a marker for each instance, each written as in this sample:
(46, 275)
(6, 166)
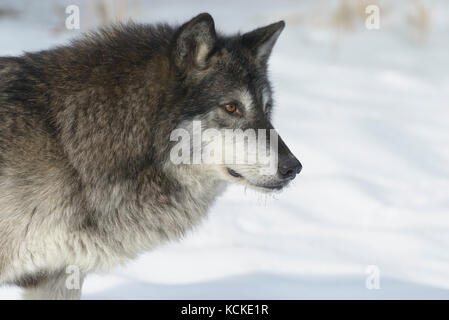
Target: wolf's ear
(194, 41)
(262, 40)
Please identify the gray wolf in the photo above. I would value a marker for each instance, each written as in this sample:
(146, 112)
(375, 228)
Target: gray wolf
(85, 174)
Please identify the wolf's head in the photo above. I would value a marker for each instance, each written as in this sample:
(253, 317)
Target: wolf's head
(226, 96)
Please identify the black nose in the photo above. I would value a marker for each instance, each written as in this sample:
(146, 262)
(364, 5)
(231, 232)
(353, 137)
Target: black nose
(289, 168)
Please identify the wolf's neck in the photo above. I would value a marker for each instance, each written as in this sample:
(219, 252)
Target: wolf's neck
(159, 209)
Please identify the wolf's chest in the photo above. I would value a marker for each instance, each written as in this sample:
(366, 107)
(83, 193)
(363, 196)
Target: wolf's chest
(134, 229)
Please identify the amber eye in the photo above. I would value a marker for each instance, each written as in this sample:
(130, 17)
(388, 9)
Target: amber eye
(231, 107)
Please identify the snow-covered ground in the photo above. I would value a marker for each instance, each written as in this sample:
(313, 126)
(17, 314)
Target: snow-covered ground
(366, 112)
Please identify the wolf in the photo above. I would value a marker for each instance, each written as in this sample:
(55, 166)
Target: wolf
(85, 173)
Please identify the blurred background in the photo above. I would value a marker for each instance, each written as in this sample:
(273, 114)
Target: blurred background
(361, 99)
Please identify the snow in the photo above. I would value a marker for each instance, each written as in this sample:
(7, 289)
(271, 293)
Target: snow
(365, 111)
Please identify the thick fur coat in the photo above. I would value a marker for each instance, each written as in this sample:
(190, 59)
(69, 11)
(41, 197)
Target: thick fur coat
(85, 176)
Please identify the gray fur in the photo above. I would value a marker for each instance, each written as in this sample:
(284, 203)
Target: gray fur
(85, 178)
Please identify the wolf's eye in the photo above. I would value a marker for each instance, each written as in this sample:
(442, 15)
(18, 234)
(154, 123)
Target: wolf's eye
(231, 107)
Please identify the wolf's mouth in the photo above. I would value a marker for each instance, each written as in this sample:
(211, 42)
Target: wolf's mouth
(272, 188)
(234, 174)
(275, 187)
